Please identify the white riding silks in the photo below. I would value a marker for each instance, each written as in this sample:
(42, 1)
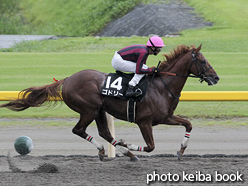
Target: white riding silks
(123, 65)
(127, 66)
(136, 79)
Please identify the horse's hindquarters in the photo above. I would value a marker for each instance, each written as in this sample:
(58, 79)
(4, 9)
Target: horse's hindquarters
(81, 91)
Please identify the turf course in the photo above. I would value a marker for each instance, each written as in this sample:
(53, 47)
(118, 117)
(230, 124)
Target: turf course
(22, 70)
(224, 45)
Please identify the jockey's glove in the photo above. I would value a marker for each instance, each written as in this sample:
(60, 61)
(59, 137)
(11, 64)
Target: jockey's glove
(155, 70)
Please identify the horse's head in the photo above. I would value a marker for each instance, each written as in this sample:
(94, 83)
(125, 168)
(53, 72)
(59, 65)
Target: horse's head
(201, 68)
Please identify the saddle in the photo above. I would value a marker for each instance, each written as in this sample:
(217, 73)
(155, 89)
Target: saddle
(116, 85)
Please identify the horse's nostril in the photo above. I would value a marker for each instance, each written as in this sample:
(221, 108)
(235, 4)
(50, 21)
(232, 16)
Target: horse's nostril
(217, 78)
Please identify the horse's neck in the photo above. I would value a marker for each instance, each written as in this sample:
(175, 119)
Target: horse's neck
(180, 67)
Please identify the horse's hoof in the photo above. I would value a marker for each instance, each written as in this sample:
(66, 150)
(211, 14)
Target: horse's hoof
(134, 159)
(120, 142)
(179, 155)
(101, 156)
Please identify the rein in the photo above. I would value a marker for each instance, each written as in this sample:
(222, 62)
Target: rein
(164, 82)
(169, 89)
(201, 72)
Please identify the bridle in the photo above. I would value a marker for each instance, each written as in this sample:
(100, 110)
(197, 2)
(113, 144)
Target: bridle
(200, 70)
(199, 67)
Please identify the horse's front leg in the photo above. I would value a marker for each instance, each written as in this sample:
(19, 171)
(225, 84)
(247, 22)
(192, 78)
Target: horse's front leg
(131, 147)
(175, 120)
(146, 131)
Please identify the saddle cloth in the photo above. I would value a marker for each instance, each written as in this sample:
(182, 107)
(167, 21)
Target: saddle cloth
(116, 85)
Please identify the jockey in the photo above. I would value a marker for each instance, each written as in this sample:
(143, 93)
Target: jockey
(133, 59)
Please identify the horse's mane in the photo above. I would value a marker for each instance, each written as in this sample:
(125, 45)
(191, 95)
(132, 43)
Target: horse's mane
(169, 58)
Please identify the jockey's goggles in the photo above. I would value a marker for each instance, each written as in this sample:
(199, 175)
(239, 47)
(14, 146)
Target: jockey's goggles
(159, 48)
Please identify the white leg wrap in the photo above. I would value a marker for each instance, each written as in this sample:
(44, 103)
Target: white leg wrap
(135, 147)
(91, 140)
(185, 142)
(185, 139)
(98, 146)
(122, 149)
(113, 142)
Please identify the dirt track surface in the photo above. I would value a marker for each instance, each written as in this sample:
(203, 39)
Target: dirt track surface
(221, 149)
(79, 170)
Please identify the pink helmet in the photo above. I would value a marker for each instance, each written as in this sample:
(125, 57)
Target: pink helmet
(155, 41)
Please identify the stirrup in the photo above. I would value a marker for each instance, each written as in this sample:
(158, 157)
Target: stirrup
(132, 94)
(139, 91)
(133, 91)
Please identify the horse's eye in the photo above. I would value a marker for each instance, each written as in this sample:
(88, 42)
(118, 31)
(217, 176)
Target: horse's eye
(204, 62)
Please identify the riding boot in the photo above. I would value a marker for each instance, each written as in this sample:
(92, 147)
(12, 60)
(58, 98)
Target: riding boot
(132, 92)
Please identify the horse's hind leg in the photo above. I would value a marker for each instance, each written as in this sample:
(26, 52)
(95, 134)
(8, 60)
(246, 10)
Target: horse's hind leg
(80, 129)
(175, 120)
(104, 132)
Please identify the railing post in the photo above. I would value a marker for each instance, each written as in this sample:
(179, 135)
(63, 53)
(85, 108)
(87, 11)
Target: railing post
(111, 148)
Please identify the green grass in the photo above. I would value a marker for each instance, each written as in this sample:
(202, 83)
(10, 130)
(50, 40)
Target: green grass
(212, 109)
(60, 111)
(22, 70)
(38, 123)
(229, 33)
(87, 18)
(229, 43)
(35, 63)
(60, 123)
(232, 69)
(230, 13)
(60, 17)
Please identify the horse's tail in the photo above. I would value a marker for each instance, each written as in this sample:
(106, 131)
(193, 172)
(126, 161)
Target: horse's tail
(36, 97)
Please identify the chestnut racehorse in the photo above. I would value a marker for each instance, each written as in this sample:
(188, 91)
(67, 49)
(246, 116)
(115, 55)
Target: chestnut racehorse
(82, 93)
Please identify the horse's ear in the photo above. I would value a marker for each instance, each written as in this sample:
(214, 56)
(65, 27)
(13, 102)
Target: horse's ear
(198, 49)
